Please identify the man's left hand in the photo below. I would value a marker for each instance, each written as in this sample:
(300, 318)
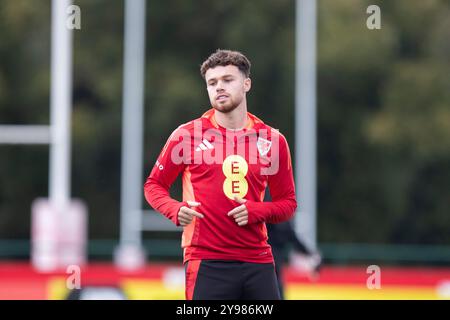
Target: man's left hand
(240, 214)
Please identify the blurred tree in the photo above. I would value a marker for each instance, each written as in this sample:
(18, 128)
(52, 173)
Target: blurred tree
(24, 99)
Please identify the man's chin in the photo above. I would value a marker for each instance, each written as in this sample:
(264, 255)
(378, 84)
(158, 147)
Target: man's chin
(224, 108)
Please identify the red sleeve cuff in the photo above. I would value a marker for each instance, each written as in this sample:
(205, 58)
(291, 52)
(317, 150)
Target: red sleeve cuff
(271, 212)
(255, 212)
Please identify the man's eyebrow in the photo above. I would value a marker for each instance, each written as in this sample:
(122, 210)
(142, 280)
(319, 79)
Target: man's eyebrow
(224, 76)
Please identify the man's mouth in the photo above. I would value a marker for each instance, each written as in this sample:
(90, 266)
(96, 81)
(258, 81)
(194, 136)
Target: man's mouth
(221, 97)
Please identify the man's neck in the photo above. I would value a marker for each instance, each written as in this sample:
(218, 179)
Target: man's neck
(234, 120)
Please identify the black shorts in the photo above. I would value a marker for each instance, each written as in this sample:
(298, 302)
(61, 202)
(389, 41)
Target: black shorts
(230, 280)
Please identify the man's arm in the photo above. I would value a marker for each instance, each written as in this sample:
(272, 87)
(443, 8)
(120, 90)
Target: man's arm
(282, 190)
(161, 178)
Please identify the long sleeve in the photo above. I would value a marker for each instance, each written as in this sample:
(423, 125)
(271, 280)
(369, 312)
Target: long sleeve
(167, 168)
(282, 190)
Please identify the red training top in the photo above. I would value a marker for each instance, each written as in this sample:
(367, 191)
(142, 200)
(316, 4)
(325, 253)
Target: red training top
(218, 164)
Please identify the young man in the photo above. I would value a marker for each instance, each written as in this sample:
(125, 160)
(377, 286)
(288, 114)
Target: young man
(227, 157)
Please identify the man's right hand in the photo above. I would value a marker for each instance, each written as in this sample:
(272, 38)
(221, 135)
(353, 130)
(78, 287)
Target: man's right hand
(186, 214)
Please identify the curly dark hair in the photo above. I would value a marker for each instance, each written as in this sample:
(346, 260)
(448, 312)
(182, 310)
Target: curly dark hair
(225, 58)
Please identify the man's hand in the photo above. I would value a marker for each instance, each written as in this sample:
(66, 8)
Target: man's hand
(185, 215)
(240, 214)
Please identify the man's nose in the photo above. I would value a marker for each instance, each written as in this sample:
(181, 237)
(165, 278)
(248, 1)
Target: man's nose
(219, 86)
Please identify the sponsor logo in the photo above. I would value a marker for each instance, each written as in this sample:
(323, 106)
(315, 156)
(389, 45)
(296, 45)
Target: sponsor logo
(235, 169)
(204, 145)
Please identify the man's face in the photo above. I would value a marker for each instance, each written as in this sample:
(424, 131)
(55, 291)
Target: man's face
(226, 87)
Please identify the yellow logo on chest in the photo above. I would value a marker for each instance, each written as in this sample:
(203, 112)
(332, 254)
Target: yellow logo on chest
(235, 169)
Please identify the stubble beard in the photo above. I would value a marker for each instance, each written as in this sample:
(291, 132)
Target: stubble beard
(226, 107)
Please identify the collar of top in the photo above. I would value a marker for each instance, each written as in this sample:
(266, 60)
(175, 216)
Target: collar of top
(252, 120)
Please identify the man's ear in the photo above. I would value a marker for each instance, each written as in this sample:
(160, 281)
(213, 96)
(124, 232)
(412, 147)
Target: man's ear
(247, 84)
